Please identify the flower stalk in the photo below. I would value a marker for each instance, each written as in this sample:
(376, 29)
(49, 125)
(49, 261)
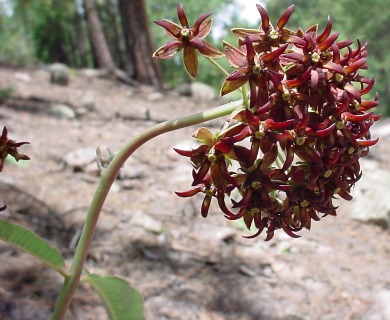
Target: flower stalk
(107, 178)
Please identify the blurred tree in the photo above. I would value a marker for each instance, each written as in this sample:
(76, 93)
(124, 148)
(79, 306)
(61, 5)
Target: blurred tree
(98, 38)
(139, 49)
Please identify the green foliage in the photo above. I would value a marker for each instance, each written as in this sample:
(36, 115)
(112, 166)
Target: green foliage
(122, 302)
(31, 243)
(5, 93)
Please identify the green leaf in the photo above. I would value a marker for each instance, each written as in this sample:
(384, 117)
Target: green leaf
(120, 299)
(32, 243)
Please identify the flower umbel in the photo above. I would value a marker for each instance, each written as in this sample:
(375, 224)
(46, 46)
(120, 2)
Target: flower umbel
(280, 161)
(189, 39)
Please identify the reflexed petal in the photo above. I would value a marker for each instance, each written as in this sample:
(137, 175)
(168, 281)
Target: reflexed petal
(182, 16)
(367, 143)
(168, 50)
(326, 31)
(242, 32)
(265, 25)
(284, 17)
(299, 42)
(334, 67)
(190, 60)
(189, 193)
(205, 206)
(200, 24)
(328, 42)
(272, 56)
(236, 57)
(208, 50)
(368, 88)
(357, 117)
(171, 28)
(352, 91)
(205, 136)
(297, 82)
(231, 85)
(250, 51)
(355, 66)
(205, 28)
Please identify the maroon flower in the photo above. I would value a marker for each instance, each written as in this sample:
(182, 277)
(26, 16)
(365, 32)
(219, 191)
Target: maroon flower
(280, 162)
(189, 39)
(257, 69)
(10, 147)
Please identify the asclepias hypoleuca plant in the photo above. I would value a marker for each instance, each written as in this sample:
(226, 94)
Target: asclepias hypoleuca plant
(296, 141)
(289, 147)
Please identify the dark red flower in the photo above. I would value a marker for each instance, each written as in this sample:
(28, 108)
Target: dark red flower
(189, 39)
(10, 147)
(280, 161)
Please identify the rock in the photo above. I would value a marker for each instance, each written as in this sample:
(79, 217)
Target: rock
(155, 96)
(21, 76)
(184, 89)
(370, 194)
(62, 111)
(88, 102)
(199, 91)
(146, 222)
(202, 92)
(131, 172)
(59, 74)
(79, 159)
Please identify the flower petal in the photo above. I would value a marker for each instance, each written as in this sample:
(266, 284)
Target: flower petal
(265, 25)
(171, 28)
(190, 60)
(284, 17)
(208, 50)
(168, 50)
(199, 22)
(182, 16)
(236, 57)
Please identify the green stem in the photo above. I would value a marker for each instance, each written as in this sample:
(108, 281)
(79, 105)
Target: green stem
(218, 66)
(107, 179)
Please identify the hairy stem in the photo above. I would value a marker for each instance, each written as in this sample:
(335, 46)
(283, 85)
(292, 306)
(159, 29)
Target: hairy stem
(107, 178)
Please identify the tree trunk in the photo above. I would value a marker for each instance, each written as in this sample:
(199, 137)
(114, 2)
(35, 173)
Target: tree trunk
(98, 39)
(143, 68)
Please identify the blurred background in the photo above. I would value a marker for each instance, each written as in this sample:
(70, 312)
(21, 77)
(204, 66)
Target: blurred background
(120, 33)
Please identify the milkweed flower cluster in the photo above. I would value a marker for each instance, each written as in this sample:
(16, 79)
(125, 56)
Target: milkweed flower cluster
(294, 146)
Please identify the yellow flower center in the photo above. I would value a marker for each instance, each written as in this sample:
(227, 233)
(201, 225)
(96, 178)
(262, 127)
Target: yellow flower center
(256, 69)
(315, 57)
(274, 35)
(185, 32)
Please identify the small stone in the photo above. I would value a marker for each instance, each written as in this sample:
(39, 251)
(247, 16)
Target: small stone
(202, 92)
(62, 111)
(146, 222)
(155, 96)
(370, 195)
(21, 76)
(88, 102)
(131, 172)
(59, 74)
(80, 158)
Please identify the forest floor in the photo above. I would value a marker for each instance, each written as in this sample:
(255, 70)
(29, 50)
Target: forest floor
(186, 267)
